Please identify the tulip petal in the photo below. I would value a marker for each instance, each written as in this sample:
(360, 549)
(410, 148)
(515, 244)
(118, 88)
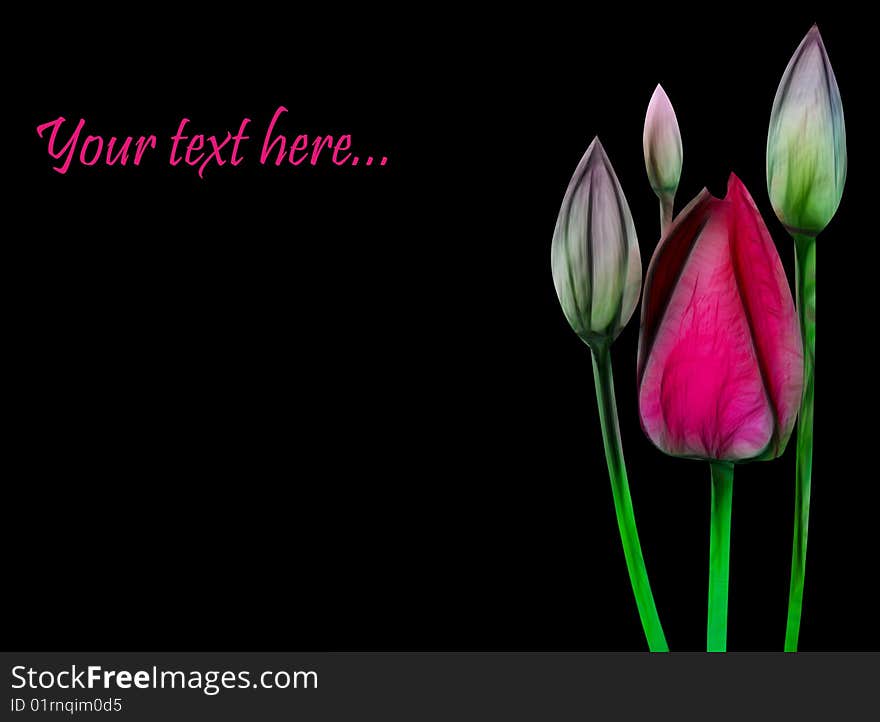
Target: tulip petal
(608, 221)
(666, 264)
(771, 315)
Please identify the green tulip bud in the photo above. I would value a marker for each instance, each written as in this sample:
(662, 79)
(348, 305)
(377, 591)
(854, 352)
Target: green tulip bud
(806, 145)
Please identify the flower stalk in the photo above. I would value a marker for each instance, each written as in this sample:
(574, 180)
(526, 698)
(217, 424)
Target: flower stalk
(805, 253)
(719, 556)
(626, 521)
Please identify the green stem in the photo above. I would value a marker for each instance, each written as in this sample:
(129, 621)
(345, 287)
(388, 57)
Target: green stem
(626, 521)
(805, 253)
(666, 202)
(719, 555)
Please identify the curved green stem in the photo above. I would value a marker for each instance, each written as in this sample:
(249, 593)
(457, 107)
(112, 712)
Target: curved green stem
(719, 555)
(805, 252)
(626, 521)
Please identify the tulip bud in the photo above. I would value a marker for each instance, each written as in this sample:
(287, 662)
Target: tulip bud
(597, 269)
(720, 368)
(806, 145)
(662, 145)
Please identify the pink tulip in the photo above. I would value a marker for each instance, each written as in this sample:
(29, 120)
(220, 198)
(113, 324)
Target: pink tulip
(720, 366)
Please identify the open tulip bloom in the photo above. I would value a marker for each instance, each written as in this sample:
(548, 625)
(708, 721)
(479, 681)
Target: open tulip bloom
(720, 367)
(806, 171)
(597, 272)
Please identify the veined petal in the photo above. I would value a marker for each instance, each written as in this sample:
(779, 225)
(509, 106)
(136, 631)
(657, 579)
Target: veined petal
(666, 266)
(769, 310)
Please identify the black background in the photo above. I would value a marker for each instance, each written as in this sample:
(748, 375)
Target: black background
(340, 408)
